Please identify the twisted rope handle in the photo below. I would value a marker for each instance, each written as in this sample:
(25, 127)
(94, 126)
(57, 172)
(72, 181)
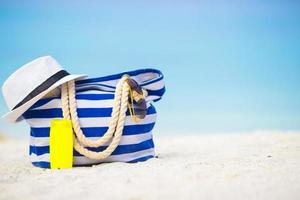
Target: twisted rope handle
(116, 124)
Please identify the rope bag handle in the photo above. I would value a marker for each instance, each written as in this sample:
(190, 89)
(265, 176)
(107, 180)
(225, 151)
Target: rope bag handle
(116, 125)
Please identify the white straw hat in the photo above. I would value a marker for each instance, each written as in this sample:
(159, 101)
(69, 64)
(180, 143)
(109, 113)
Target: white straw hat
(32, 82)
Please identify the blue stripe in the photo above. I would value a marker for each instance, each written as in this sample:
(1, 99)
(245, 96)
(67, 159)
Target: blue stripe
(118, 76)
(38, 150)
(121, 149)
(155, 100)
(42, 102)
(82, 112)
(159, 92)
(41, 164)
(98, 131)
(95, 96)
(141, 159)
(45, 113)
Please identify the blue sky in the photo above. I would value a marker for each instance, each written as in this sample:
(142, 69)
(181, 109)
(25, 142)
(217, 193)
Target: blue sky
(229, 66)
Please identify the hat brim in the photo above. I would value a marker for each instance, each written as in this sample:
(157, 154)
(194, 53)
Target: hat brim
(15, 115)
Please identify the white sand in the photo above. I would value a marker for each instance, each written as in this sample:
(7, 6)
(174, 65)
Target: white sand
(242, 166)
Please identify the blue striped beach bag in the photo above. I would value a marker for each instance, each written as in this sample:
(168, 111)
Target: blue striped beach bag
(112, 118)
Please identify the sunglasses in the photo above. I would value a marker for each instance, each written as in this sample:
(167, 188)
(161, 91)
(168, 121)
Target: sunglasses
(136, 103)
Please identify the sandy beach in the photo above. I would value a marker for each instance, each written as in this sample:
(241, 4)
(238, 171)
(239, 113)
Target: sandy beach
(259, 165)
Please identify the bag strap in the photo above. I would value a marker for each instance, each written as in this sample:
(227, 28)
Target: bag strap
(116, 125)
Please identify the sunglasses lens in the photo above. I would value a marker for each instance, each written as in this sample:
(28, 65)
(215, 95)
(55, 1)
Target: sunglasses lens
(140, 109)
(135, 86)
(132, 83)
(140, 105)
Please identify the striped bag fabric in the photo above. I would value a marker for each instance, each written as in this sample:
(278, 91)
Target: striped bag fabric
(94, 97)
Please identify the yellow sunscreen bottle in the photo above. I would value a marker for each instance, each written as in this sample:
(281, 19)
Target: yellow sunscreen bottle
(61, 144)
